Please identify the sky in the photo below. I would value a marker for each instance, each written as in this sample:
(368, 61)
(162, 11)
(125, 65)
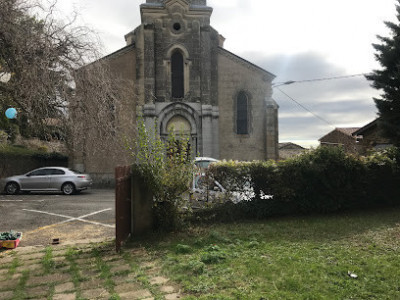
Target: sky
(295, 40)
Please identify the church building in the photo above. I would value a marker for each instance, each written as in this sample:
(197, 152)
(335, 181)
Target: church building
(185, 79)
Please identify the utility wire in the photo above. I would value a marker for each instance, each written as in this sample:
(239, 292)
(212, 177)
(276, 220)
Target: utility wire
(305, 108)
(320, 79)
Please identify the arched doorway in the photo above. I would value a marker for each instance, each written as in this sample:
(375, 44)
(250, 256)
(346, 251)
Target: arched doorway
(181, 119)
(179, 125)
(180, 128)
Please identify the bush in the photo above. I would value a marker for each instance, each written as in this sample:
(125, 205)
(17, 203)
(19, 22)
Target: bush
(383, 177)
(22, 151)
(167, 169)
(324, 180)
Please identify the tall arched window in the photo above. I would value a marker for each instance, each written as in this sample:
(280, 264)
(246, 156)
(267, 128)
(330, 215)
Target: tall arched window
(177, 76)
(242, 113)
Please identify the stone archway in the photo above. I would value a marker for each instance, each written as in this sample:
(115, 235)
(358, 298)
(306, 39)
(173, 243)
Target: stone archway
(181, 117)
(179, 125)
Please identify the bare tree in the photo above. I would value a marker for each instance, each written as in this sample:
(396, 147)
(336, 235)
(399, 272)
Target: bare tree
(102, 114)
(57, 79)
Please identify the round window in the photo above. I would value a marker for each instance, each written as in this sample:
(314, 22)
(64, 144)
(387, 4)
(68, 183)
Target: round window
(177, 26)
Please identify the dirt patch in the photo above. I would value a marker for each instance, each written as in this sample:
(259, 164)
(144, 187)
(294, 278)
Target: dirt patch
(66, 233)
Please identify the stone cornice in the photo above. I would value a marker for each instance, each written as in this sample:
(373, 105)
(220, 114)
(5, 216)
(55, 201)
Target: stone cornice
(193, 5)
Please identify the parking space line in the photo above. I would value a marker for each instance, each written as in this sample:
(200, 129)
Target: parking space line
(22, 200)
(47, 213)
(70, 219)
(11, 200)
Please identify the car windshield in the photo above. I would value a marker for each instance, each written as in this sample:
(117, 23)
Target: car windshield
(203, 164)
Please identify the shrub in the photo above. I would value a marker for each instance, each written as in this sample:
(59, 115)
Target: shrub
(324, 180)
(167, 169)
(183, 249)
(213, 255)
(383, 177)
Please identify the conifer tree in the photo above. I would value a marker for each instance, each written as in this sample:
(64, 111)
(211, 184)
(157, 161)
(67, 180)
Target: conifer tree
(387, 79)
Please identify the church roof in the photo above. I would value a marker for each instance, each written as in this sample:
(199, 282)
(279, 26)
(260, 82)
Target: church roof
(119, 52)
(233, 56)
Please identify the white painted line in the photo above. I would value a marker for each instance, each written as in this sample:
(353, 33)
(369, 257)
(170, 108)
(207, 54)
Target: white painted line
(95, 213)
(11, 200)
(22, 200)
(87, 221)
(70, 219)
(47, 213)
(91, 222)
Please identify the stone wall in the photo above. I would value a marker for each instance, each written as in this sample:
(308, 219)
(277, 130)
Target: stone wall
(17, 165)
(234, 77)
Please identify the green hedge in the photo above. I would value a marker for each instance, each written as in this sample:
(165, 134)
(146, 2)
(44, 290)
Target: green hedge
(20, 151)
(324, 180)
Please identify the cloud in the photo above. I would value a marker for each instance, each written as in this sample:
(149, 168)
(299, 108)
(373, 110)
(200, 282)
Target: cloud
(255, 25)
(343, 102)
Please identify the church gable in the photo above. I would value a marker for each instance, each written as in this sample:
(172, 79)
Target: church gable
(246, 64)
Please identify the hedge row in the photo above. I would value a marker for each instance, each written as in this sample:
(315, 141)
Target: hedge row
(19, 151)
(324, 180)
(18, 160)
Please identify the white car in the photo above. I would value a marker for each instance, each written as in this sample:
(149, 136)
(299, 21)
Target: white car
(202, 185)
(204, 162)
(201, 164)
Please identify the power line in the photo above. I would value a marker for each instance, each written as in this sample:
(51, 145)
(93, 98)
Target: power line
(305, 108)
(320, 79)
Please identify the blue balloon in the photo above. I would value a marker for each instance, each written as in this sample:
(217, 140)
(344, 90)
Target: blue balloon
(11, 113)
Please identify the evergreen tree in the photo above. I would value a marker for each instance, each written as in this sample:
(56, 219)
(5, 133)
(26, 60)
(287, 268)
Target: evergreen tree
(387, 79)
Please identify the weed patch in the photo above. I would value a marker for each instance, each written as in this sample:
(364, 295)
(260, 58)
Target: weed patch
(47, 260)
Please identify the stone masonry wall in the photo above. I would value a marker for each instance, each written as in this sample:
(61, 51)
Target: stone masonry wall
(233, 78)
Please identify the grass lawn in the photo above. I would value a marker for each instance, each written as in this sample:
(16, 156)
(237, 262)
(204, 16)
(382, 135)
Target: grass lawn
(288, 258)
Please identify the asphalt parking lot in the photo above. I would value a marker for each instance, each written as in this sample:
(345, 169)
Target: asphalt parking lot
(42, 217)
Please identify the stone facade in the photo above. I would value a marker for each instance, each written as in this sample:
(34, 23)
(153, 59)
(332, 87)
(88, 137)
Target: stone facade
(183, 76)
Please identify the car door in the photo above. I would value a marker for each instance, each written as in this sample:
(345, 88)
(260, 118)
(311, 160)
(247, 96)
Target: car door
(57, 178)
(36, 180)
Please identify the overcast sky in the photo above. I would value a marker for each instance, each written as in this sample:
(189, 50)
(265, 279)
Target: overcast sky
(295, 40)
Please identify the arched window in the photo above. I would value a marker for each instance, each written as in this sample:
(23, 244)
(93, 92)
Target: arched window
(177, 76)
(242, 113)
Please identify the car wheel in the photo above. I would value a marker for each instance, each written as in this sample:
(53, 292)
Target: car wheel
(12, 188)
(68, 188)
